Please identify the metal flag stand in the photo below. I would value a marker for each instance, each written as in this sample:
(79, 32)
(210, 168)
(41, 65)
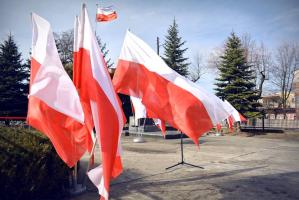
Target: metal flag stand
(182, 157)
(75, 187)
(139, 138)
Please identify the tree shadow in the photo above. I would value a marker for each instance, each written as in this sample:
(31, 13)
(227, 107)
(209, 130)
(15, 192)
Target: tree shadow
(148, 185)
(232, 184)
(274, 186)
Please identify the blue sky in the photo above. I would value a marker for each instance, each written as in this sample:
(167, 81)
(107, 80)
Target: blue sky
(204, 24)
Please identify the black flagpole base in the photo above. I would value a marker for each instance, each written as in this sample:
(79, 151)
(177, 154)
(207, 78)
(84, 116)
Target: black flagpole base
(182, 157)
(183, 163)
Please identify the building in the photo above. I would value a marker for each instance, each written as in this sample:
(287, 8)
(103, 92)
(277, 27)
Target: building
(273, 107)
(296, 91)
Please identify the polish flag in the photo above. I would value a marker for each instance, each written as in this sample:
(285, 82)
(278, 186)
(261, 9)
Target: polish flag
(236, 116)
(54, 106)
(141, 112)
(161, 125)
(171, 97)
(96, 87)
(230, 123)
(139, 108)
(218, 127)
(106, 14)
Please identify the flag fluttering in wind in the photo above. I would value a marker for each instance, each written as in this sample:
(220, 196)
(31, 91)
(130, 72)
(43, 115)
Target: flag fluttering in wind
(172, 98)
(236, 116)
(141, 112)
(105, 14)
(54, 106)
(218, 127)
(230, 123)
(161, 125)
(96, 88)
(139, 108)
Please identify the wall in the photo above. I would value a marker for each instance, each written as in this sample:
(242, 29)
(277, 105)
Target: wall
(296, 90)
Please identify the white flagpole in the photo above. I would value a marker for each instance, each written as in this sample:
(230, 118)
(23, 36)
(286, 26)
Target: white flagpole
(95, 29)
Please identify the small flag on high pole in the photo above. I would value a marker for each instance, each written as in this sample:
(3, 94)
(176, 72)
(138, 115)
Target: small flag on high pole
(105, 14)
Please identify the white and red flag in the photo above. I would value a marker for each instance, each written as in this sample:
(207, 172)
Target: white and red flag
(236, 116)
(141, 112)
(54, 106)
(105, 14)
(139, 108)
(218, 127)
(166, 94)
(97, 91)
(230, 123)
(161, 125)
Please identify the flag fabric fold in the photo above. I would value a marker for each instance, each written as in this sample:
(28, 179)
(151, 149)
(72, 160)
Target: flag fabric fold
(78, 79)
(169, 96)
(141, 112)
(96, 90)
(54, 106)
(139, 108)
(230, 123)
(161, 125)
(105, 14)
(236, 116)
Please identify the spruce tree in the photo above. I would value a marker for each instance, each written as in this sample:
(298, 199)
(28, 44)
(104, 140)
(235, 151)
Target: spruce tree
(14, 80)
(105, 52)
(174, 51)
(236, 81)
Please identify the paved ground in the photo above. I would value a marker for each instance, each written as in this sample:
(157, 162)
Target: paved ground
(235, 167)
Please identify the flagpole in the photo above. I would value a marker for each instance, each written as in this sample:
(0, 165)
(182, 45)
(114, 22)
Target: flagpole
(89, 160)
(92, 153)
(95, 29)
(76, 188)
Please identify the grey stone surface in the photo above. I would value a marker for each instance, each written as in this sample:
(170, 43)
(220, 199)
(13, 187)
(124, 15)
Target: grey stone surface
(235, 167)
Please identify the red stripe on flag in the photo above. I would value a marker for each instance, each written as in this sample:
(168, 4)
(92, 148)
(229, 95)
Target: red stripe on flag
(106, 18)
(230, 123)
(168, 101)
(83, 92)
(242, 118)
(66, 134)
(218, 127)
(108, 119)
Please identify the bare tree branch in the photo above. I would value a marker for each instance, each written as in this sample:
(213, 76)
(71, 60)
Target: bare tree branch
(283, 71)
(197, 69)
(214, 59)
(260, 60)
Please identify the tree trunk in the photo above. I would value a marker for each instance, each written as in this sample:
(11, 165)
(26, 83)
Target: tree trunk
(7, 122)
(260, 91)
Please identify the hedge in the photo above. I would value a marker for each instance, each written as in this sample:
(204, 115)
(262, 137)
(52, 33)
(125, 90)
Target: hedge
(29, 166)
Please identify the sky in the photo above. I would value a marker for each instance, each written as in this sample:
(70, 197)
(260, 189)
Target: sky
(203, 24)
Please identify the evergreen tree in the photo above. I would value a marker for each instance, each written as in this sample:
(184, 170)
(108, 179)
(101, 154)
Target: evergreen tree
(236, 80)
(105, 52)
(14, 80)
(173, 51)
